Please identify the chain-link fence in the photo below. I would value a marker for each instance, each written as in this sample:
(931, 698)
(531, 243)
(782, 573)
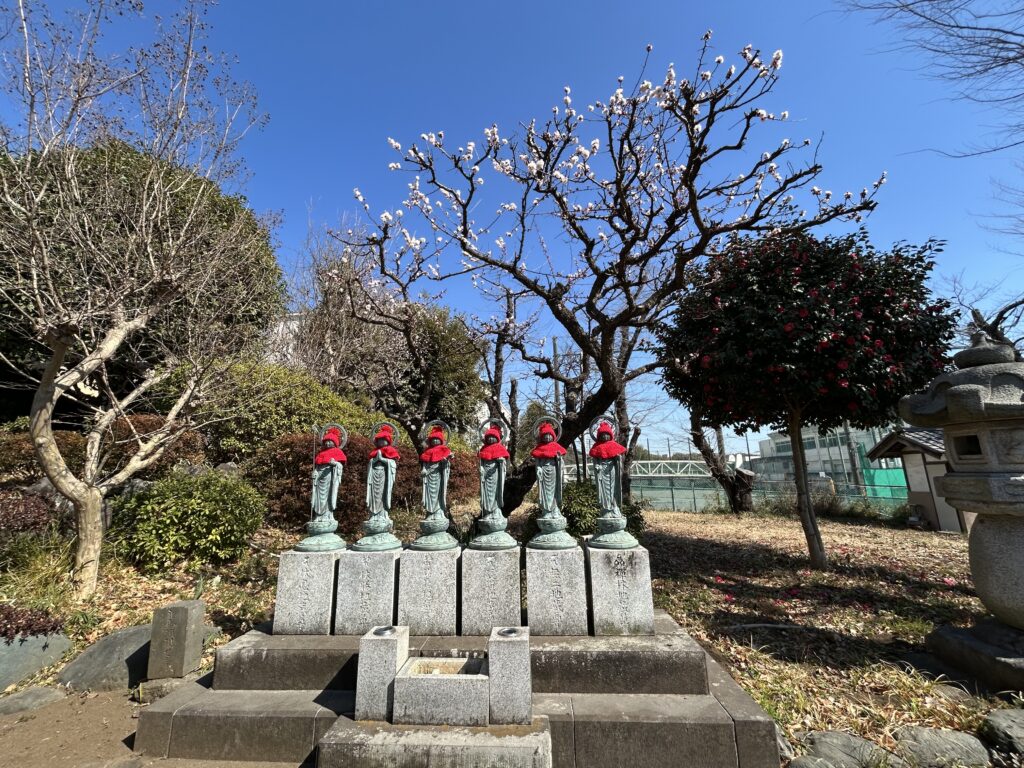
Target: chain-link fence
(698, 493)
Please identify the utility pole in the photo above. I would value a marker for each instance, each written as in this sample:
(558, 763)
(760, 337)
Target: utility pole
(858, 478)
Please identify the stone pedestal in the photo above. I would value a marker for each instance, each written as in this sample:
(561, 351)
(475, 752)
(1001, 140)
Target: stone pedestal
(428, 591)
(620, 591)
(491, 594)
(305, 593)
(508, 667)
(366, 591)
(382, 652)
(176, 645)
(556, 592)
(991, 652)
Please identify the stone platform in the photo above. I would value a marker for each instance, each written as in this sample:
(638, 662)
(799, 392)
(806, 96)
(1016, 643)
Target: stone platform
(654, 700)
(990, 652)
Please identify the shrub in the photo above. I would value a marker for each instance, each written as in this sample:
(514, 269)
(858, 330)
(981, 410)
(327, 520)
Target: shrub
(282, 471)
(189, 447)
(292, 402)
(16, 622)
(22, 512)
(18, 463)
(581, 510)
(205, 518)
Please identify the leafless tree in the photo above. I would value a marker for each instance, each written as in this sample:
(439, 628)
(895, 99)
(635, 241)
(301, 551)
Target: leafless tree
(370, 331)
(115, 235)
(597, 212)
(976, 45)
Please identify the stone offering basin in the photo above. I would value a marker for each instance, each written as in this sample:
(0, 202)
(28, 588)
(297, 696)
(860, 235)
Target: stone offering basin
(442, 691)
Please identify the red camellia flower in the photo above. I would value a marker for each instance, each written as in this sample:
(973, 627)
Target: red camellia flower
(843, 365)
(804, 313)
(788, 327)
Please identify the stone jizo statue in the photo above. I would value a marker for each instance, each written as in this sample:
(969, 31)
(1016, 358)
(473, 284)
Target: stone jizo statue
(328, 467)
(380, 482)
(606, 458)
(493, 464)
(548, 455)
(435, 469)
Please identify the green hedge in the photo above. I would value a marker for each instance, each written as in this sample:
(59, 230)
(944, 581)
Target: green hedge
(581, 510)
(195, 519)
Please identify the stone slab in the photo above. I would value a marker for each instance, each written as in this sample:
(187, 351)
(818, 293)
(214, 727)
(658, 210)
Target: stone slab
(458, 695)
(508, 671)
(115, 662)
(270, 726)
(556, 591)
(25, 656)
(153, 733)
(29, 699)
(641, 731)
(351, 744)
(670, 664)
(459, 646)
(621, 601)
(380, 658)
(491, 590)
(428, 591)
(305, 593)
(757, 743)
(366, 591)
(990, 651)
(176, 645)
(264, 662)
(557, 708)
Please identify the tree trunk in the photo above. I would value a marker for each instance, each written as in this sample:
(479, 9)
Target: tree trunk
(815, 546)
(89, 527)
(737, 485)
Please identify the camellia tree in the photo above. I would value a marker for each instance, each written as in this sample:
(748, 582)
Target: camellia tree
(789, 330)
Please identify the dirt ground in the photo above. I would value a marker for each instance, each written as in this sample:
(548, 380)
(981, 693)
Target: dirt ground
(85, 731)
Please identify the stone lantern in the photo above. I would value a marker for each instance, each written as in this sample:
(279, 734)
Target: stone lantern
(980, 407)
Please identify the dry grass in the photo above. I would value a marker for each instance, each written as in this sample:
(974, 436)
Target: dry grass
(831, 655)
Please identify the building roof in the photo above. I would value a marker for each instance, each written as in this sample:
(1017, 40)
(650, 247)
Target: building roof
(925, 440)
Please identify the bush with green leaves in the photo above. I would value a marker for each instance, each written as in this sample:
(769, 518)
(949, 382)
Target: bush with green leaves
(581, 510)
(291, 401)
(195, 519)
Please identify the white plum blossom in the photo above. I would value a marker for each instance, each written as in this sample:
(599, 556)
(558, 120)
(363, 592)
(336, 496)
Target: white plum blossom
(394, 166)
(705, 75)
(719, 59)
(394, 144)
(357, 194)
(386, 218)
(732, 71)
(777, 59)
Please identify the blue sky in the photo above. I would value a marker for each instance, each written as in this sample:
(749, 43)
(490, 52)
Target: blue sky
(338, 78)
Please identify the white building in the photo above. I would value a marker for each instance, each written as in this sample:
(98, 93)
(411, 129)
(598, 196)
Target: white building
(839, 455)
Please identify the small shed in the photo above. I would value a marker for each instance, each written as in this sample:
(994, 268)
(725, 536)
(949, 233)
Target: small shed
(923, 453)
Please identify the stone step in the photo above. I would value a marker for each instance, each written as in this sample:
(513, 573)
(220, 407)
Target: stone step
(369, 744)
(667, 662)
(195, 722)
(601, 730)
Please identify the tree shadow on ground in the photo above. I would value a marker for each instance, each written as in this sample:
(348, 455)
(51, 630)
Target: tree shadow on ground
(767, 598)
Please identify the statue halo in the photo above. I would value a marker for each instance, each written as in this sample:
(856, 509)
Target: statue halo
(486, 423)
(377, 428)
(592, 429)
(550, 420)
(426, 430)
(344, 433)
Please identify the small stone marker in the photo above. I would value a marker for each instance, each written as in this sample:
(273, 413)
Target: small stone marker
(508, 669)
(366, 591)
(305, 593)
(620, 589)
(427, 586)
(382, 652)
(491, 592)
(176, 645)
(556, 591)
